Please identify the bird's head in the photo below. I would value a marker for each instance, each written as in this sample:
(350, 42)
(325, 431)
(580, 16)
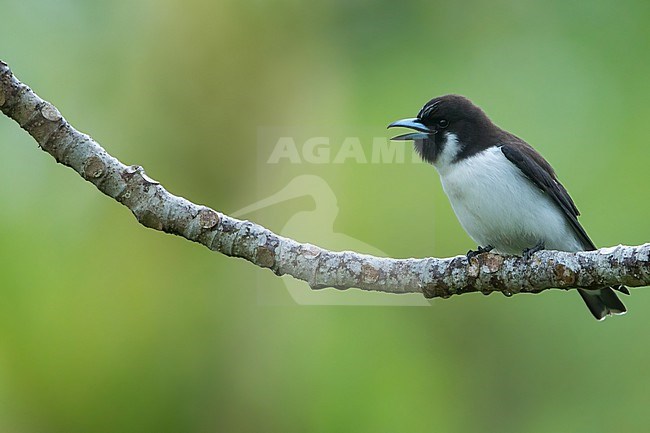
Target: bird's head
(448, 127)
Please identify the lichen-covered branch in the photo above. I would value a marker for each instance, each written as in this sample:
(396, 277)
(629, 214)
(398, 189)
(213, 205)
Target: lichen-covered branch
(156, 208)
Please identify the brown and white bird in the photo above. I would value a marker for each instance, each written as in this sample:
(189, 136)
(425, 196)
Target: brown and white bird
(504, 193)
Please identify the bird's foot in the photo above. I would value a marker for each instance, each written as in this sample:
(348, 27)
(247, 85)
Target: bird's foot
(528, 252)
(480, 250)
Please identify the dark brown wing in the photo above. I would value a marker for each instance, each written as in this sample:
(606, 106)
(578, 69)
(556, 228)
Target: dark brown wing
(540, 172)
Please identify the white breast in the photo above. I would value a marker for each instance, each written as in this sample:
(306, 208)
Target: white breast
(497, 205)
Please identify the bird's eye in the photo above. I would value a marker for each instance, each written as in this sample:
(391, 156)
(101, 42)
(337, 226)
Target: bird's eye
(443, 123)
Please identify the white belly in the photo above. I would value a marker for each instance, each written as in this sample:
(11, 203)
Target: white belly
(497, 205)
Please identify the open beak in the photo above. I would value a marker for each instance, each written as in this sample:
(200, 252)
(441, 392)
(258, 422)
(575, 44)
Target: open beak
(416, 124)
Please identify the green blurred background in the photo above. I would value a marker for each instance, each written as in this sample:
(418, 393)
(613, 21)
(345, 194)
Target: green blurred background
(106, 326)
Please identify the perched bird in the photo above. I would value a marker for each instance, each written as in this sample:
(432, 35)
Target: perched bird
(505, 194)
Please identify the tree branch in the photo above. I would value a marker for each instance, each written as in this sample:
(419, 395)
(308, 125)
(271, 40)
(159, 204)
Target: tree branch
(156, 208)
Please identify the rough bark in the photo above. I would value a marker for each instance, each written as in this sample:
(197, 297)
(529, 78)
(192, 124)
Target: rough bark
(156, 208)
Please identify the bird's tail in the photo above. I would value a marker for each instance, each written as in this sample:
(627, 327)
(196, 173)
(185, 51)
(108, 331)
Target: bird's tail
(603, 302)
